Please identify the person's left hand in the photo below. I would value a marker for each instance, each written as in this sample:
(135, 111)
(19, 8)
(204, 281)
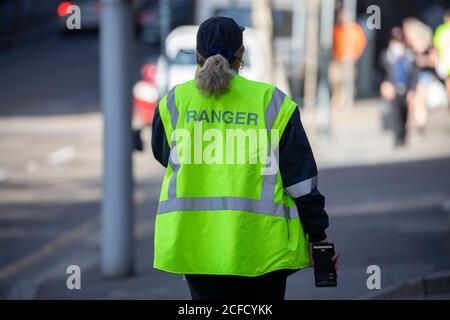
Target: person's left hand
(387, 91)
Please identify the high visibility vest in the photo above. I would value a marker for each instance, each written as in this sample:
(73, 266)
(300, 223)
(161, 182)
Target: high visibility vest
(222, 208)
(441, 41)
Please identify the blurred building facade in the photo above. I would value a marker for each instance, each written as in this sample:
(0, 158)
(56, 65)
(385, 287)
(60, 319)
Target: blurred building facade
(292, 22)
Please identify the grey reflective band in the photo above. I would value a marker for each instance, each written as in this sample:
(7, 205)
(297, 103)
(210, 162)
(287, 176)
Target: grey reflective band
(173, 157)
(172, 108)
(270, 179)
(271, 113)
(274, 107)
(302, 188)
(227, 203)
(174, 163)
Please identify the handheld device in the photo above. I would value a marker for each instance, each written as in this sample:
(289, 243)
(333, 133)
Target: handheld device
(324, 273)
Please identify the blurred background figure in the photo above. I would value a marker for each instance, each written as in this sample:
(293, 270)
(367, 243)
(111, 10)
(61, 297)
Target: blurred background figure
(441, 42)
(397, 64)
(418, 37)
(349, 42)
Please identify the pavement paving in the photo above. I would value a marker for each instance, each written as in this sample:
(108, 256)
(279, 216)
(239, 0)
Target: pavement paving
(387, 206)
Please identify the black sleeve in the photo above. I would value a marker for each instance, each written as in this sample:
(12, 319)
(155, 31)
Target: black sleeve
(383, 65)
(297, 165)
(160, 146)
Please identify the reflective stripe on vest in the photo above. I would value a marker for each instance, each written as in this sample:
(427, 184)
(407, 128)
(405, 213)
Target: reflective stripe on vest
(266, 203)
(175, 165)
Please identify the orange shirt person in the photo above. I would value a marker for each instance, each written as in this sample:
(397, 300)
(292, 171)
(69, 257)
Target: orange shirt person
(349, 41)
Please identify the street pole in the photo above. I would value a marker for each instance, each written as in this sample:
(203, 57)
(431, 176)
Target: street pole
(116, 34)
(365, 65)
(164, 18)
(297, 47)
(326, 42)
(165, 26)
(311, 52)
(261, 16)
(349, 7)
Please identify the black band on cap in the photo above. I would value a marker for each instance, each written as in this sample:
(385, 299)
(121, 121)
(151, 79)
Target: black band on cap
(224, 51)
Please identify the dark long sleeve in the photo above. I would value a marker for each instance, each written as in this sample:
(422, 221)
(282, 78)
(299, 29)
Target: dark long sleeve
(160, 146)
(299, 174)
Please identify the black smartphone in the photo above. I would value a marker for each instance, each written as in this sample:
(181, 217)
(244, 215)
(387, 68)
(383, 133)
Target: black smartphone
(324, 273)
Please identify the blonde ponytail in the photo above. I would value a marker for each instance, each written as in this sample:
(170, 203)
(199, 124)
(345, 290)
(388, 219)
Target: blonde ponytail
(213, 75)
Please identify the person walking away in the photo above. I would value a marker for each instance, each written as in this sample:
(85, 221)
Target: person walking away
(349, 42)
(441, 42)
(397, 64)
(234, 228)
(418, 37)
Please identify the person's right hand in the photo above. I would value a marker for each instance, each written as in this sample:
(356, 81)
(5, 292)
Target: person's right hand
(335, 258)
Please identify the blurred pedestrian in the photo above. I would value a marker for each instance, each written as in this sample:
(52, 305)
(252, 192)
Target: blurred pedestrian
(418, 37)
(233, 229)
(397, 64)
(441, 42)
(349, 42)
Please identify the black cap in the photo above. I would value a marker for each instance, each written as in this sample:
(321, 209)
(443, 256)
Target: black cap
(219, 35)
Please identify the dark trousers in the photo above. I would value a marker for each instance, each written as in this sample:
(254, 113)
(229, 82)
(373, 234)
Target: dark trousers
(271, 286)
(399, 115)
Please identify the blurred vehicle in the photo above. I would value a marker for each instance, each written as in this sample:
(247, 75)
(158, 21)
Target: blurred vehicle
(180, 66)
(90, 9)
(145, 17)
(147, 22)
(148, 15)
